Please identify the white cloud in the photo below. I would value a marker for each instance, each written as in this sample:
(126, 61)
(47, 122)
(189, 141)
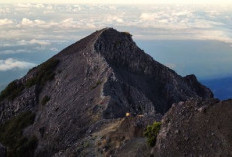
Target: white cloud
(163, 21)
(182, 13)
(5, 22)
(54, 49)
(39, 5)
(33, 41)
(24, 5)
(145, 22)
(148, 16)
(68, 23)
(91, 26)
(10, 64)
(39, 22)
(40, 42)
(27, 22)
(32, 23)
(30, 5)
(114, 18)
(171, 65)
(13, 51)
(124, 2)
(4, 10)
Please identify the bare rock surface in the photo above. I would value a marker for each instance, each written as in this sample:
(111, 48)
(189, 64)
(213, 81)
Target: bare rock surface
(2, 150)
(196, 128)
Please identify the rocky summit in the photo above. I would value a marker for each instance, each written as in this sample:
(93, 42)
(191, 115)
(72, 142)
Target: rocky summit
(94, 98)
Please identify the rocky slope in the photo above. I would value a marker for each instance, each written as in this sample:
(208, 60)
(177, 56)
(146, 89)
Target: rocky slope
(58, 105)
(196, 128)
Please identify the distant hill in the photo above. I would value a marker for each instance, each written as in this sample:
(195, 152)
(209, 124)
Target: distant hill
(222, 88)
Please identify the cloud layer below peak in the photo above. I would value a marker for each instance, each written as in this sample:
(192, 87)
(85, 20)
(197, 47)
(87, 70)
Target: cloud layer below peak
(45, 21)
(11, 64)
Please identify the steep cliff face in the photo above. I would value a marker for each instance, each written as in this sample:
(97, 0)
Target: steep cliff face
(131, 66)
(196, 128)
(102, 76)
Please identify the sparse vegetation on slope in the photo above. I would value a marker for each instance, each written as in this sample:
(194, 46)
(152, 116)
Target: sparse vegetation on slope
(45, 100)
(97, 83)
(127, 33)
(151, 133)
(12, 90)
(45, 73)
(11, 135)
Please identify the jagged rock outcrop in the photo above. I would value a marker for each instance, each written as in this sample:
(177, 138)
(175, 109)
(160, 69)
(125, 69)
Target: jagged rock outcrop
(196, 128)
(113, 137)
(102, 76)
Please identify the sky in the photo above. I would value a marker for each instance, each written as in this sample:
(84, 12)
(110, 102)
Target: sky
(122, 1)
(189, 38)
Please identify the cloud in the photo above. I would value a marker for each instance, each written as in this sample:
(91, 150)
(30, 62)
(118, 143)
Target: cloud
(5, 10)
(34, 41)
(30, 5)
(28, 22)
(14, 51)
(5, 22)
(54, 49)
(148, 16)
(69, 22)
(182, 13)
(10, 64)
(24, 5)
(171, 65)
(39, 42)
(114, 18)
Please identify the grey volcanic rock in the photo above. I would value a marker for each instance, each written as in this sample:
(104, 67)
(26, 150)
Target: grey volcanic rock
(131, 66)
(102, 76)
(2, 151)
(196, 128)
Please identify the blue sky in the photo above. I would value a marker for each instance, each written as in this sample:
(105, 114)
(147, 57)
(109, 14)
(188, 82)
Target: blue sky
(32, 32)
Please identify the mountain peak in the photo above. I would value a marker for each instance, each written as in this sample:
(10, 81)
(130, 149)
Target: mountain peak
(102, 76)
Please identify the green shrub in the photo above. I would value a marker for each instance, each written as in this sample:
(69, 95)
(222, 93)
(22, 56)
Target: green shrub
(127, 33)
(45, 100)
(86, 144)
(12, 129)
(12, 90)
(25, 148)
(97, 83)
(30, 70)
(151, 133)
(45, 73)
(30, 82)
(11, 135)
